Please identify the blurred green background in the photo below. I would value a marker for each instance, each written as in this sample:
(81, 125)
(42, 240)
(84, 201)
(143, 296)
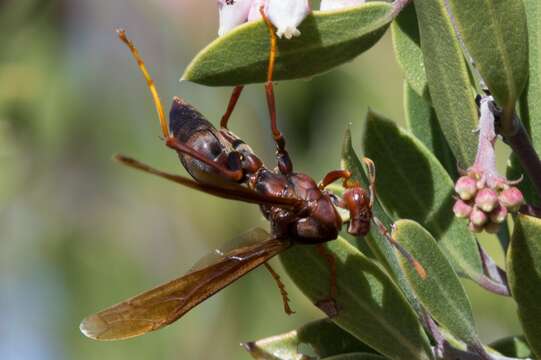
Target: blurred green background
(79, 232)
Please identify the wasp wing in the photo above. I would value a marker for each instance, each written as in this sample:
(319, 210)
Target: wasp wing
(166, 303)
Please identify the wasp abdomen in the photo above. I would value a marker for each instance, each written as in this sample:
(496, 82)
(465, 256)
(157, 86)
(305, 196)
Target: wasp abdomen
(185, 120)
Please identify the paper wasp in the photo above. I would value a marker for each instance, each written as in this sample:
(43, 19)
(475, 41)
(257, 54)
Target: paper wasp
(300, 211)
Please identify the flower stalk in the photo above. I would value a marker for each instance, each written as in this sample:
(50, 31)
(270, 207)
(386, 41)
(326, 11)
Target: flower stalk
(520, 143)
(484, 196)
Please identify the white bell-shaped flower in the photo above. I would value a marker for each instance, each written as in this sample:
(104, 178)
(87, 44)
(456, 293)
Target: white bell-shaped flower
(286, 15)
(232, 14)
(329, 5)
(255, 12)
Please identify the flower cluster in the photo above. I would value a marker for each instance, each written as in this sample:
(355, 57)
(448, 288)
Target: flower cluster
(484, 196)
(285, 15)
(486, 207)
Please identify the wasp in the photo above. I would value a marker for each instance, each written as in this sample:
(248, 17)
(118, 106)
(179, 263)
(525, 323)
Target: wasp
(300, 211)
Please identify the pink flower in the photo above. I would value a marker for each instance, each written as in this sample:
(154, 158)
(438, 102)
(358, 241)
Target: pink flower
(511, 198)
(462, 209)
(327, 5)
(478, 217)
(486, 199)
(499, 214)
(490, 195)
(466, 187)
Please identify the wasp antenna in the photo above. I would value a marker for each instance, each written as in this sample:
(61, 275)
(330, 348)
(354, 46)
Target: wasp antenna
(150, 83)
(371, 174)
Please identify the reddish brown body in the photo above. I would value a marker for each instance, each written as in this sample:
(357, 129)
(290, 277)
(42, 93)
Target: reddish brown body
(299, 210)
(314, 220)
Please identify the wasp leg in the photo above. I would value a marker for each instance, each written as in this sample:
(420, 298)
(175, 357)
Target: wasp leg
(237, 90)
(334, 175)
(282, 288)
(284, 162)
(328, 305)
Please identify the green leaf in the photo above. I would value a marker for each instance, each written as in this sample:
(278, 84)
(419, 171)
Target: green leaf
(514, 346)
(524, 271)
(425, 191)
(440, 292)
(407, 46)
(377, 243)
(356, 356)
(422, 121)
(531, 98)
(495, 34)
(530, 101)
(448, 79)
(321, 338)
(370, 305)
(328, 39)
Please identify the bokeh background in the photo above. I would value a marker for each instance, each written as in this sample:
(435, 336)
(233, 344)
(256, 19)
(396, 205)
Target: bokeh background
(79, 232)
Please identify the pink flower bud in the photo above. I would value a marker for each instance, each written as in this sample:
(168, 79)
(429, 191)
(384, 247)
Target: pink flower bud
(492, 228)
(475, 228)
(466, 187)
(461, 209)
(511, 198)
(486, 199)
(498, 215)
(286, 15)
(232, 14)
(478, 217)
(327, 5)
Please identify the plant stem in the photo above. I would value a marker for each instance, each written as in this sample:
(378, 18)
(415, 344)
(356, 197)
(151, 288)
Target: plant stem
(520, 143)
(531, 210)
(398, 6)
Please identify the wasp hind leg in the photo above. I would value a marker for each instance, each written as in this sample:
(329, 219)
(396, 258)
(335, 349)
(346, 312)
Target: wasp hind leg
(282, 288)
(328, 305)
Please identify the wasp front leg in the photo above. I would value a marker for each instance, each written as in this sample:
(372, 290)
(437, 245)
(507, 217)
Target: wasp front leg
(237, 90)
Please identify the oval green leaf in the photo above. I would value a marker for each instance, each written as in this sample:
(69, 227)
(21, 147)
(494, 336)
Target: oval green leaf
(425, 193)
(496, 36)
(321, 338)
(377, 243)
(524, 270)
(370, 305)
(422, 121)
(448, 80)
(530, 107)
(514, 346)
(407, 46)
(440, 292)
(328, 39)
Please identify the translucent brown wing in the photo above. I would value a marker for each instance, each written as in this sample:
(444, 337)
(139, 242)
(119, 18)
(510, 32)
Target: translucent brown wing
(164, 304)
